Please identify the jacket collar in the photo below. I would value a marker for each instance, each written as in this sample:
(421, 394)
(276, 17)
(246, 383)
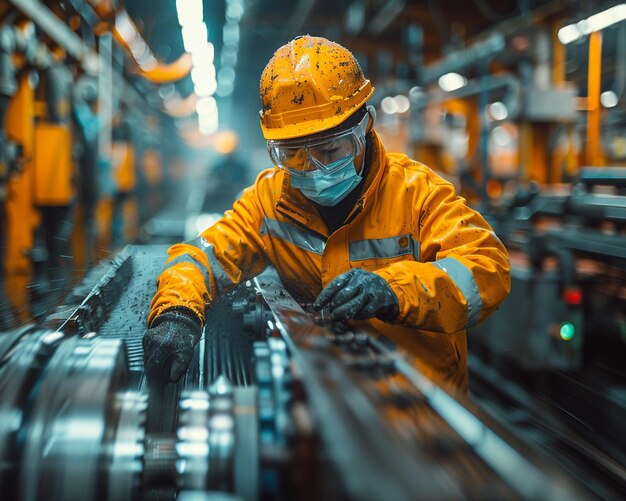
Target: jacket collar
(296, 206)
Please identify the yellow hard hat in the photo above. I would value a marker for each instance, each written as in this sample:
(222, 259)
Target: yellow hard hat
(310, 85)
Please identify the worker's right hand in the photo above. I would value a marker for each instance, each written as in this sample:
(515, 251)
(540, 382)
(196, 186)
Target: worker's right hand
(168, 345)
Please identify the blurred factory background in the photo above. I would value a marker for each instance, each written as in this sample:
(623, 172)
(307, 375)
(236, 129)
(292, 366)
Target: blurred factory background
(128, 125)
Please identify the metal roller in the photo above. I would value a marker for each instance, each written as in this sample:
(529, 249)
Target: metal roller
(24, 358)
(193, 441)
(217, 445)
(127, 450)
(70, 421)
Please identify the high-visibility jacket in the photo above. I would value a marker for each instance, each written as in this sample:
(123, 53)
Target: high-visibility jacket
(443, 261)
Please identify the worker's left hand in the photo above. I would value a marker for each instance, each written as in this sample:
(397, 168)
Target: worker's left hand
(358, 294)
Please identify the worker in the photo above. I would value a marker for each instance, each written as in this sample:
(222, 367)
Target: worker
(363, 233)
(227, 176)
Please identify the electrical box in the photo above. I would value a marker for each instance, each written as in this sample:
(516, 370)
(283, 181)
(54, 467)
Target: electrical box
(551, 105)
(534, 327)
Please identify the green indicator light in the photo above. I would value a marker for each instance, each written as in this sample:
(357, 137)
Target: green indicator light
(567, 331)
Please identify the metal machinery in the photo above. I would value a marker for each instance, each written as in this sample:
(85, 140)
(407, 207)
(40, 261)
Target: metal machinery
(551, 235)
(558, 339)
(275, 405)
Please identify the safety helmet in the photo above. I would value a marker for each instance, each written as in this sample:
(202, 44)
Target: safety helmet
(310, 85)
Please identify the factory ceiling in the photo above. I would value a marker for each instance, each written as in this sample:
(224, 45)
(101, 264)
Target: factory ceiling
(384, 34)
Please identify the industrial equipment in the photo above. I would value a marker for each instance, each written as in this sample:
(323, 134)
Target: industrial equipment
(567, 246)
(557, 342)
(276, 405)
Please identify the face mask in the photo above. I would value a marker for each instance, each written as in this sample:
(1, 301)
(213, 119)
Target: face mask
(328, 189)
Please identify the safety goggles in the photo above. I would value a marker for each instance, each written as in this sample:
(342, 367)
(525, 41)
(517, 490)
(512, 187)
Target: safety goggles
(302, 155)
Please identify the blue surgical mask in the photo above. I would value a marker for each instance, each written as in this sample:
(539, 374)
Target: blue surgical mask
(328, 188)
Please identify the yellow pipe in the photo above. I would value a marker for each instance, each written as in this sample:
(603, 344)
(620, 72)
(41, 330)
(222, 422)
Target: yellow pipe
(558, 58)
(166, 73)
(593, 98)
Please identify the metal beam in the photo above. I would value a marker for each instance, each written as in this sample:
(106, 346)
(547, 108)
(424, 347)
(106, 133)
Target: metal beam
(52, 26)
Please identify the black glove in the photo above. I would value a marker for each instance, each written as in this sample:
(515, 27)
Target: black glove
(358, 294)
(169, 343)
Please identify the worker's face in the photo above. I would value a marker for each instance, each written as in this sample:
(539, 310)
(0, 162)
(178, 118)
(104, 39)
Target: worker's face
(304, 155)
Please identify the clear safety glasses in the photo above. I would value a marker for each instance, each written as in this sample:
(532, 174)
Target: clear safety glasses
(302, 155)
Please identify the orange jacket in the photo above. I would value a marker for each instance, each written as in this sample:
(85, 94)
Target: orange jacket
(443, 261)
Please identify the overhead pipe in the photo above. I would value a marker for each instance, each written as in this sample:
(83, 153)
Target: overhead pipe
(148, 66)
(483, 84)
(461, 60)
(56, 29)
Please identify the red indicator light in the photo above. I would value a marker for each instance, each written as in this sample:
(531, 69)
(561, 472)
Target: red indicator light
(572, 296)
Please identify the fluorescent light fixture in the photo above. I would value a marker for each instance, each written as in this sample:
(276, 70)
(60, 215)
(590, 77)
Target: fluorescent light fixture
(229, 56)
(452, 81)
(569, 34)
(207, 88)
(206, 105)
(136, 44)
(189, 11)
(124, 27)
(201, 74)
(225, 88)
(609, 99)
(231, 33)
(195, 36)
(227, 74)
(597, 22)
(203, 54)
(208, 121)
(234, 11)
(209, 128)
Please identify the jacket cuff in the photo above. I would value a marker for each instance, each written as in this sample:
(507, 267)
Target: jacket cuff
(388, 277)
(178, 313)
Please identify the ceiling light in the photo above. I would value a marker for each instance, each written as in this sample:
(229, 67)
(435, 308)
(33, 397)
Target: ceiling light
(206, 105)
(452, 81)
(231, 33)
(498, 111)
(205, 88)
(195, 36)
(203, 54)
(208, 126)
(225, 88)
(402, 103)
(189, 11)
(609, 99)
(234, 11)
(227, 73)
(204, 73)
(597, 22)
(389, 105)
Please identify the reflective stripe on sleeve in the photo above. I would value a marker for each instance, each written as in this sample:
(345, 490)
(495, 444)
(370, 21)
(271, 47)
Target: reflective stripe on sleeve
(464, 280)
(384, 248)
(307, 241)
